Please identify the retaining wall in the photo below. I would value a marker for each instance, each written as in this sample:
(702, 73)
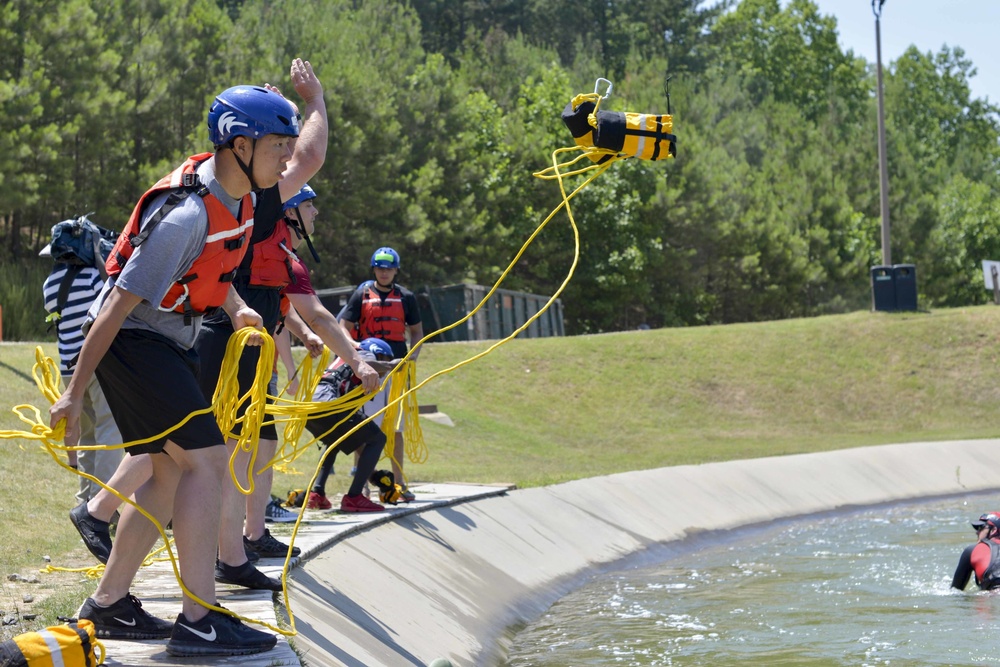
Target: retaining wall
(452, 582)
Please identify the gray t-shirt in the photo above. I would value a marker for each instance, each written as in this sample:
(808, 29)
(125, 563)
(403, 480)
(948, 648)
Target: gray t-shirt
(164, 258)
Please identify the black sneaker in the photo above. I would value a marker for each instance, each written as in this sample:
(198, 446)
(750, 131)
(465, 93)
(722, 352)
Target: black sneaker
(124, 619)
(96, 534)
(268, 547)
(217, 634)
(245, 575)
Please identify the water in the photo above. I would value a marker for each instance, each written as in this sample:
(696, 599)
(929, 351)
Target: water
(865, 588)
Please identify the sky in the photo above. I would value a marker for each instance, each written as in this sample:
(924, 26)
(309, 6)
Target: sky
(927, 24)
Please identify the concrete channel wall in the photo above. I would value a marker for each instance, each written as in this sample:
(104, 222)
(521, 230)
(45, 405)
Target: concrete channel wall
(452, 582)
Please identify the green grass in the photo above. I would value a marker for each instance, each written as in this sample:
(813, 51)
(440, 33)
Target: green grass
(543, 411)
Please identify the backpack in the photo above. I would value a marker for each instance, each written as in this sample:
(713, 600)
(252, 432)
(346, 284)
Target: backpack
(79, 242)
(342, 379)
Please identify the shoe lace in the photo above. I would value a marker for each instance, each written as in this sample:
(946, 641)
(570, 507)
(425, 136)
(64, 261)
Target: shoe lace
(276, 509)
(269, 542)
(227, 617)
(134, 601)
(361, 501)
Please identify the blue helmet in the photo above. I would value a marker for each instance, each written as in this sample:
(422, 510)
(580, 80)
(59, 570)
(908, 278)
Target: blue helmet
(376, 346)
(250, 111)
(305, 194)
(385, 258)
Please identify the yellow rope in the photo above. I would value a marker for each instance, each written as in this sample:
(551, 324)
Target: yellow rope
(413, 435)
(294, 413)
(588, 97)
(46, 379)
(402, 408)
(295, 422)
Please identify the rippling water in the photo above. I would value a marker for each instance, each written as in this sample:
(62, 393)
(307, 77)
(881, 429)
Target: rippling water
(867, 588)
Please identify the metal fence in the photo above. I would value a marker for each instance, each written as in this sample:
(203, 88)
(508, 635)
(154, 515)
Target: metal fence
(506, 311)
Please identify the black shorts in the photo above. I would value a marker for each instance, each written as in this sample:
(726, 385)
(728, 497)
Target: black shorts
(211, 348)
(214, 337)
(151, 384)
(369, 434)
(265, 300)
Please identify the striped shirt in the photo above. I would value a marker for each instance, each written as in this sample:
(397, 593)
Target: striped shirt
(85, 288)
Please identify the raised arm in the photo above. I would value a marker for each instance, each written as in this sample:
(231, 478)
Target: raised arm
(314, 134)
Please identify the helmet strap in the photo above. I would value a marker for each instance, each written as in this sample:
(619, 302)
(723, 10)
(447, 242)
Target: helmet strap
(247, 167)
(299, 228)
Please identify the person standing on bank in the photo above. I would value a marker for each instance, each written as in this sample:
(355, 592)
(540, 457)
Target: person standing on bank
(69, 291)
(383, 309)
(369, 441)
(259, 280)
(981, 559)
(173, 263)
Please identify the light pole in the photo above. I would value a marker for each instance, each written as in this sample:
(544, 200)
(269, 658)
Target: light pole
(882, 167)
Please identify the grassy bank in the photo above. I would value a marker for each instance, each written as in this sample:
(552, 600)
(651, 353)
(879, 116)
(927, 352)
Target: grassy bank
(542, 411)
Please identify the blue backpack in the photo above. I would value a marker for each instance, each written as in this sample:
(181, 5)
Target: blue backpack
(79, 242)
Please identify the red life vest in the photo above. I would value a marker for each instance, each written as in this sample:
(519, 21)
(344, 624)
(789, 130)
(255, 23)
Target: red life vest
(381, 319)
(206, 284)
(271, 264)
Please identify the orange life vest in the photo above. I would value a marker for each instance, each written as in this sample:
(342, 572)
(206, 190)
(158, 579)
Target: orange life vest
(271, 264)
(381, 319)
(206, 284)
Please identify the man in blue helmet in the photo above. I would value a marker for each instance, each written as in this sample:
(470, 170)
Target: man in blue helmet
(262, 274)
(383, 309)
(172, 264)
(366, 442)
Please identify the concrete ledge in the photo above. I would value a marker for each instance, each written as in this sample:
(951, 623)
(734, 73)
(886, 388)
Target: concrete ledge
(156, 584)
(449, 582)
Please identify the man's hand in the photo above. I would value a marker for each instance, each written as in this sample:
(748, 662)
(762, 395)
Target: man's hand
(275, 89)
(314, 344)
(66, 408)
(368, 376)
(305, 81)
(245, 316)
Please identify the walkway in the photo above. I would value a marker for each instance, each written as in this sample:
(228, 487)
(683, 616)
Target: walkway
(157, 587)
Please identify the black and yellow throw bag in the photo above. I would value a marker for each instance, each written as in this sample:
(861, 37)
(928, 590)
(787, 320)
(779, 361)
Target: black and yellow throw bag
(620, 133)
(71, 645)
(297, 497)
(388, 491)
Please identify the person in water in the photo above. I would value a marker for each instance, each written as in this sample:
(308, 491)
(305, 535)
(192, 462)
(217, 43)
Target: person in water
(983, 557)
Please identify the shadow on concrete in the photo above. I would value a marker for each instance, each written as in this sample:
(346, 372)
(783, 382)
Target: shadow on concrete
(355, 614)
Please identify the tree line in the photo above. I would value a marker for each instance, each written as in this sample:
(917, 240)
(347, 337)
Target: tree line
(441, 110)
